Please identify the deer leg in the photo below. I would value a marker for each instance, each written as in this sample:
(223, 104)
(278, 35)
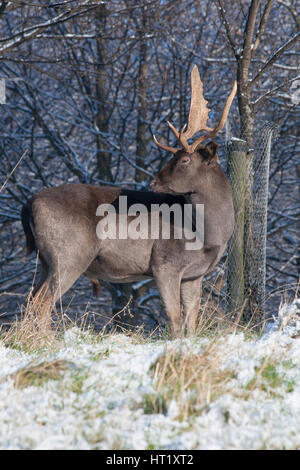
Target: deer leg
(38, 302)
(168, 284)
(55, 283)
(42, 304)
(42, 278)
(190, 296)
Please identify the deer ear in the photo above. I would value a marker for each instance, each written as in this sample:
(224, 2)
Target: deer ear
(210, 151)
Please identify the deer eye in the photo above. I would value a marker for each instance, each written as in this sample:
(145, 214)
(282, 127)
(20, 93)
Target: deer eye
(185, 160)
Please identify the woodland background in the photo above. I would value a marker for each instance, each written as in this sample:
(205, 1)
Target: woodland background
(88, 83)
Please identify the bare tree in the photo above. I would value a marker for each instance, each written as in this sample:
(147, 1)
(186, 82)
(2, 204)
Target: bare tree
(87, 84)
(248, 77)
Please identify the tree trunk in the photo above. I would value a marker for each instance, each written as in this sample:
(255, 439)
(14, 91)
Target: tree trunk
(141, 148)
(253, 308)
(103, 156)
(237, 154)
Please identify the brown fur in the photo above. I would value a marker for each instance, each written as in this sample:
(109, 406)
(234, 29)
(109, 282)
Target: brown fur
(60, 224)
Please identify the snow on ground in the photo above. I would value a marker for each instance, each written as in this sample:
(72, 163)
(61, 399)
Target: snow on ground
(98, 402)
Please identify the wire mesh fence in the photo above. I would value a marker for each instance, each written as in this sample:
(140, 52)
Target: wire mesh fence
(248, 170)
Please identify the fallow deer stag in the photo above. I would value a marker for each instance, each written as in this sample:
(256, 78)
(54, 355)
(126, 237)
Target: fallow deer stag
(61, 225)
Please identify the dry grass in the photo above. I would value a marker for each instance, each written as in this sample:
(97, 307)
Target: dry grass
(192, 380)
(39, 374)
(35, 330)
(40, 326)
(31, 332)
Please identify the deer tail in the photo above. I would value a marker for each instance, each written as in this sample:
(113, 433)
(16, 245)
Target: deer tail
(26, 216)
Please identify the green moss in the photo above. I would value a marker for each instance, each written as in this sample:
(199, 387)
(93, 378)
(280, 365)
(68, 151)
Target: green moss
(78, 380)
(151, 447)
(290, 385)
(271, 376)
(269, 379)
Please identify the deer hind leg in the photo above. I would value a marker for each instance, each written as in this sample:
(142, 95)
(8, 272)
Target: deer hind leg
(168, 284)
(190, 297)
(42, 303)
(55, 281)
(37, 299)
(42, 278)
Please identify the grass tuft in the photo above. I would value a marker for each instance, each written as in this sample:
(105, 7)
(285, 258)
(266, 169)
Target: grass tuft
(193, 381)
(30, 334)
(40, 374)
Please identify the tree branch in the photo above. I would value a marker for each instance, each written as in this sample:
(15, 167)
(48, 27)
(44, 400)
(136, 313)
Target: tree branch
(262, 25)
(248, 36)
(223, 18)
(3, 5)
(32, 31)
(292, 12)
(273, 59)
(270, 92)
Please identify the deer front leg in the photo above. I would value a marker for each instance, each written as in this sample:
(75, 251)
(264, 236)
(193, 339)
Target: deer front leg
(168, 284)
(190, 296)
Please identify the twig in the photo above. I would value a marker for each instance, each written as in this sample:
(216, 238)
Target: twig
(11, 173)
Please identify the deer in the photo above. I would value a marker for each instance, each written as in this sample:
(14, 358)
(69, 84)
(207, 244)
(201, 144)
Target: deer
(60, 225)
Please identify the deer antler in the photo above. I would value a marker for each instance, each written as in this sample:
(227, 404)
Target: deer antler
(165, 147)
(199, 111)
(202, 119)
(198, 117)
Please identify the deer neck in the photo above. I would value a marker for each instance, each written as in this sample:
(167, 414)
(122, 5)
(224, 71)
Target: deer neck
(206, 185)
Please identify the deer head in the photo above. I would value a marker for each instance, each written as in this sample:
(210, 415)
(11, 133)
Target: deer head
(181, 174)
(185, 172)
(198, 117)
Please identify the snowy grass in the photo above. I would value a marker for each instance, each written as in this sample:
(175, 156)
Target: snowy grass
(117, 391)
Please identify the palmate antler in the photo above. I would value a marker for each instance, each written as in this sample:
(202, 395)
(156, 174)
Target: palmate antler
(198, 117)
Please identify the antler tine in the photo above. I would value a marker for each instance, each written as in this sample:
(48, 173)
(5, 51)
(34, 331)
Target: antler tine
(173, 129)
(219, 127)
(226, 109)
(164, 147)
(198, 114)
(183, 140)
(180, 136)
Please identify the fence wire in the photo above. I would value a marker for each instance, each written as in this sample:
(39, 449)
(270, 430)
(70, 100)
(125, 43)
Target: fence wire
(248, 171)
